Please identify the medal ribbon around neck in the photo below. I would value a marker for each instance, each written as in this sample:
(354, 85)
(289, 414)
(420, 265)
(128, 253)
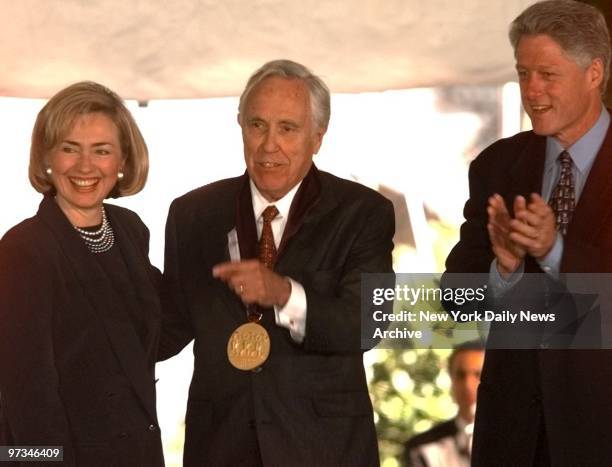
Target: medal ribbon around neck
(249, 345)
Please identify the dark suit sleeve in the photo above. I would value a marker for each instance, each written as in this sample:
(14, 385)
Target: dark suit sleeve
(473, 253)
(31, 402)
(144, 242)
(142, 237)
(333, 319)
(177, 330)
(470, 259)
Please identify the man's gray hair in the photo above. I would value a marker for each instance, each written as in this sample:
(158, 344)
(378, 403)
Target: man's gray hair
(578, 28)
(318, 90)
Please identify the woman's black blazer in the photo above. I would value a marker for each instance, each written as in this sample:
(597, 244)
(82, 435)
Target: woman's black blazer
(74, 372)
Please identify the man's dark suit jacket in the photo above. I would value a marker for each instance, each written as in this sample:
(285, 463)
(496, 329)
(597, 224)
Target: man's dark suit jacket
(523, 393)
(309, 404)
(74, 372)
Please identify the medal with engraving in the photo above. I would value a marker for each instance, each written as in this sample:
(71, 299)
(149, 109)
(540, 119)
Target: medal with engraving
(248, 346)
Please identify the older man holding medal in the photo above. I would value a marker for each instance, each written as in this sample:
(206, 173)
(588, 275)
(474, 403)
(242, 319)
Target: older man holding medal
(264, 272)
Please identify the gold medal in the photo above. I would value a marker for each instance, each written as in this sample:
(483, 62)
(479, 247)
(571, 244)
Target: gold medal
(248, 346)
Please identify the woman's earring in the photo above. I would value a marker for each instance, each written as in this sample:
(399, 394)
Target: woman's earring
(120, 175)
(49, 171)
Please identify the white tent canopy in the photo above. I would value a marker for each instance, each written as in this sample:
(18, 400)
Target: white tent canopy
(146, 49)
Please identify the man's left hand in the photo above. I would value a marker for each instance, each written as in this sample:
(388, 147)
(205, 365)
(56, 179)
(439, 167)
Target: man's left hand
(534, 227)
(254, 283)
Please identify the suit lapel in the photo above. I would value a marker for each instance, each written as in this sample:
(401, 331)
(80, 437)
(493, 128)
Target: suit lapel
(317, 201)
(104, 301)
(245, 221)
(526, 174)
(593, 208)
(305, 200)
(242, 219)
(525, 177)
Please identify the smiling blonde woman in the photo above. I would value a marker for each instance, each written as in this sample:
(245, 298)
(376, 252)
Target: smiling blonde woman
(78, 301)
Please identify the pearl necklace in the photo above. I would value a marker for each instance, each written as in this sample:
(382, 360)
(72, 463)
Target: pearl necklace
(100, 240)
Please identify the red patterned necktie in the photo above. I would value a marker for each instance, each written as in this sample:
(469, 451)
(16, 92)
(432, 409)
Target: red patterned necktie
(266, 250)
(563, 199)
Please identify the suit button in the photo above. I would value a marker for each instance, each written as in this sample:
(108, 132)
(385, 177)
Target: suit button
(152, 427)
(257, 370)
(122, 435)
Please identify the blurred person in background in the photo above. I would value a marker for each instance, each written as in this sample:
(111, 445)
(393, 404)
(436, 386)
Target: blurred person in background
(79, 308)
(449, 444)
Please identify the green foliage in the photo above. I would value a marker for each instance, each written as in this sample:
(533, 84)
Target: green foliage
(410, 388)
(410, 393)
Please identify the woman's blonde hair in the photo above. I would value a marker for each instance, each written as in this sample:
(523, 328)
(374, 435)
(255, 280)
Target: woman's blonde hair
(56, 119)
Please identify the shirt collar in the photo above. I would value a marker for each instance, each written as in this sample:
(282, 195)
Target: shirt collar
(584, 150)
(283, 205)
